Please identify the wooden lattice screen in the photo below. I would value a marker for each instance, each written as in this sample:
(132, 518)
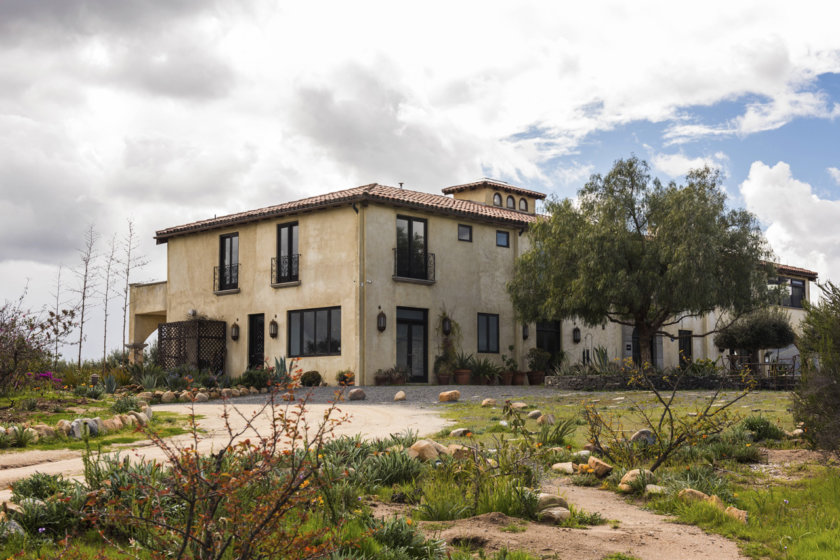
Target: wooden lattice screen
(199, 343)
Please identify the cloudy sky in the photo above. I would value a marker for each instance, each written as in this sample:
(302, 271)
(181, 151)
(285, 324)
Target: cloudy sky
(174, 110)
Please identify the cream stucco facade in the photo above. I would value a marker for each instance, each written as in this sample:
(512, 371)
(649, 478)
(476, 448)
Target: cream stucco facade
(347, 252)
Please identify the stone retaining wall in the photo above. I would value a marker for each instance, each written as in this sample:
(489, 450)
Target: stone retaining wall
(687, 382)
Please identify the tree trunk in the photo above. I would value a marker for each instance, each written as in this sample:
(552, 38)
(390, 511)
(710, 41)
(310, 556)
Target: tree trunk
(645, 334)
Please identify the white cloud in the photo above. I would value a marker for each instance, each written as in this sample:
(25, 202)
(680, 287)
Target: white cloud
(802, 228)
(835, 174)
(678, 164)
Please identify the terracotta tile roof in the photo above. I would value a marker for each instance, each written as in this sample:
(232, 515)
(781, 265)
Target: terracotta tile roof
(367, 193)
(491, 184)
(796, 271)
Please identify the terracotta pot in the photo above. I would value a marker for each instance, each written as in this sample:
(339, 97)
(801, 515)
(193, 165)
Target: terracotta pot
(462, 376)
(536, 377)
(380, 380)
(506, 378)
(518, 378)
(443, 378)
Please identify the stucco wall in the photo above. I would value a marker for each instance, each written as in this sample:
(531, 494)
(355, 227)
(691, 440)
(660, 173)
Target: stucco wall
(470, 279)
(328, 268)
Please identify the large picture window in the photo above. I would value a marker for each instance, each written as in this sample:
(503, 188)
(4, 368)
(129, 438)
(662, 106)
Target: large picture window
(488, 333)
(411, 248)
(315, 332)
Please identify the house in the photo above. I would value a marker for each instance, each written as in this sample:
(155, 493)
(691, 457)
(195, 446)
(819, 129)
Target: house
(681, 344)
(359, 279)
(355, 279)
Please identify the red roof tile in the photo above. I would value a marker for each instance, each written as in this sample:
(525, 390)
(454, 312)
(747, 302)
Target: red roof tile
(796, 271)
(491, 184)
(370, 193)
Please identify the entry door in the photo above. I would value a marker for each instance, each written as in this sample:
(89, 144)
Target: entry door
(412, 343)
(548, 339)
(256, 340)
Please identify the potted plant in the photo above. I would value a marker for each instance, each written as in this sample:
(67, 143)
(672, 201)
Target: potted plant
(449, 332)
(537, 363)
(381, 377)
(510, 366)
(397, 375)
(345, 378)
(485, 371)
(444, 373)
(462, 368)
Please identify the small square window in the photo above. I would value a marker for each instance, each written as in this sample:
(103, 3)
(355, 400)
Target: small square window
(464, 233)
(502, 239)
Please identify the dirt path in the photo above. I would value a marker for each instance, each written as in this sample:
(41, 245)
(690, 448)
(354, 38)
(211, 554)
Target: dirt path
(371, 420)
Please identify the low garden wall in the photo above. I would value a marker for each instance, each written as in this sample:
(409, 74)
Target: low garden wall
(617, 382)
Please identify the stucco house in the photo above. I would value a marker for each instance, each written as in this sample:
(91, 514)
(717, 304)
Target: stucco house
(355, 279)
(358, 279)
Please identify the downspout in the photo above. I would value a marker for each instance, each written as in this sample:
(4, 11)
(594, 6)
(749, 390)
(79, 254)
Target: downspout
(360, 373)
(518, 343)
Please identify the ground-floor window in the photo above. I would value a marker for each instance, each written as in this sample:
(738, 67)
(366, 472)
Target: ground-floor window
(488, 333)
(315, 332)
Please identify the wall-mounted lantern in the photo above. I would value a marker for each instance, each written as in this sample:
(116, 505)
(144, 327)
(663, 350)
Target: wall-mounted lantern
(525, 331)
(576, 335)
(272, 329)
(234, 331)
(446, 326)
(380, 321)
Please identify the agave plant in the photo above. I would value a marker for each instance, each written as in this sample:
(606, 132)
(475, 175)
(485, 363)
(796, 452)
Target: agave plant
(149, 381)
(110, 384)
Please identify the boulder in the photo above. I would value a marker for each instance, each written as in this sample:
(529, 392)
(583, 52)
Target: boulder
(400, 396)
(459, 432)
(263, 390)
(692, 495)
(644, 436)
(234, 392)
(11, 528)
(146, 396)
(32, 435)
(109, 426)
(798, 432)
(624, 487)
(488, 402)
(253, 390)
(458, 451)
(736, 514)
(139, 417)
(93, 427)
(716, 502)
(518, 405)
(44, 430)
(449, 396)
(356, 394)
(654, 489)
(63, 426)
(632, 476)
(555, 515)
(158, 395)
(424, 450)
(599, 467)
(564, 468)
(128, 420)
(545, 501)
(534, 414)
(168, 397)
(546, 420)
(227, 393)
(99, 425)
(215, 394)
(583, 454)
(202, 397)
(185, 396)
(118, 423)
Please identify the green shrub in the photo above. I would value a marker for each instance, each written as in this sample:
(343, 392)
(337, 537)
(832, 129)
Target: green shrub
(27, 404)
(558, 434)
(258, 378)
(310, 379)
(505, 495)
(389, 468)
(443, 500)
(399, 535)
(90, 391)
(125, 403)
(110, 384)
(762, 428)
(39, 486)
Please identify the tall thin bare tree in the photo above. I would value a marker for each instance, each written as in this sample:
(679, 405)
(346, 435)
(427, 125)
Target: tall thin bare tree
(108, 271)
(130, 262)
(58, 305)
(87, 280)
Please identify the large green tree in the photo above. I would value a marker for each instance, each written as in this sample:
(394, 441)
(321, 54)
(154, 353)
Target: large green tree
(633, 251)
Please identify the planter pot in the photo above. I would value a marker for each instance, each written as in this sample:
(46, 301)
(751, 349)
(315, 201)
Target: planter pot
(506, 378)
(536, 377)
(399, 381)
(462, 376)
(379, 381)
(518, 378)
(443, 378)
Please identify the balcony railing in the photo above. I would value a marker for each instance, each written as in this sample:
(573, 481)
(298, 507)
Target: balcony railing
(226, 278)
(285, 269)
(417, 267)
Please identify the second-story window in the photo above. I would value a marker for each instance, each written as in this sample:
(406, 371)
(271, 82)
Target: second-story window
(287, 265)
(511, 203)
(523, 204)
(497, 199)
(411, 248)
(228, 271)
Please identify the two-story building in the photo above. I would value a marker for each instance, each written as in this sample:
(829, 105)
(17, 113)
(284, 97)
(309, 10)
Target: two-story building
(355, 279)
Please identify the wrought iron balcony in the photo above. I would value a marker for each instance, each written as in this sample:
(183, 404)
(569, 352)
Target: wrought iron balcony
(285, 269)
(414, 267)
(226, 278)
